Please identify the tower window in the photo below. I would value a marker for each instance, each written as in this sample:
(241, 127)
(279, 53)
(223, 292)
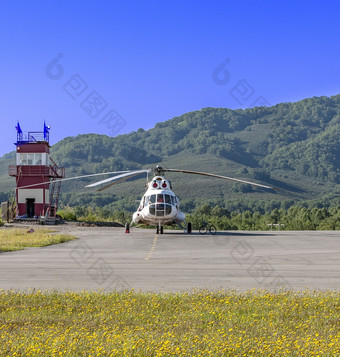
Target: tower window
(32, 159)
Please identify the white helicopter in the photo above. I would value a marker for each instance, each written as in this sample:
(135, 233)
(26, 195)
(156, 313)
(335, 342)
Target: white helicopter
(159, 205)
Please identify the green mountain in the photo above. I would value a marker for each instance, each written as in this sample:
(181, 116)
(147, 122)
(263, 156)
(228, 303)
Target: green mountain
(293, 146)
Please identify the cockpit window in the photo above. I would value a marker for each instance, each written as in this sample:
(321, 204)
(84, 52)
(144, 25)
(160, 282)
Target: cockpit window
(160, 204)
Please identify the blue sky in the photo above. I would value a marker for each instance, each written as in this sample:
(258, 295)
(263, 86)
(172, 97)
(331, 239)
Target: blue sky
(111, 67)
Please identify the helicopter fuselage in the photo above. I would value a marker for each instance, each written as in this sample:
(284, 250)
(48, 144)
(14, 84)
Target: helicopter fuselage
(159, 206)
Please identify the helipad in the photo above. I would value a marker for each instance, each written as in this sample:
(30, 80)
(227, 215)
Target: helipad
(108, 258)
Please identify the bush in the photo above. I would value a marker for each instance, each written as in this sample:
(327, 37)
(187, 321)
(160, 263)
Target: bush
(294, 218)
(67, 214)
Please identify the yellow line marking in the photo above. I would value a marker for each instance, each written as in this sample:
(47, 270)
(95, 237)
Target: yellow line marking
(154, 243)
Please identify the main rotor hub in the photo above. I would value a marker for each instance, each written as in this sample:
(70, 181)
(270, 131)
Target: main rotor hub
(159, 170)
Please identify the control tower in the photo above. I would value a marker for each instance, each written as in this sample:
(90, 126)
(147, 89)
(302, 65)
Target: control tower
(37, 175)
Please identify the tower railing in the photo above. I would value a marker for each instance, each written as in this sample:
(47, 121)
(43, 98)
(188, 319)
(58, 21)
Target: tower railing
(32, 137)
(27, 170)
(58, 172)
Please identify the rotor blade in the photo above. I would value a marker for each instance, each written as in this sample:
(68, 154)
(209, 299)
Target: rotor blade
(127, 175)
(219, 176)
(116, 182)
(72, 178)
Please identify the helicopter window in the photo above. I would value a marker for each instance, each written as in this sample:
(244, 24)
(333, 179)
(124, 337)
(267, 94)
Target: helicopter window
(167, 199)
(160, 198)
(167, 209)
(152, 198)
(152, 209)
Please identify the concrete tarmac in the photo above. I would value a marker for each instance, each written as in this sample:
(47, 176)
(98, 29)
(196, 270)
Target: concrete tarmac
(108, 258)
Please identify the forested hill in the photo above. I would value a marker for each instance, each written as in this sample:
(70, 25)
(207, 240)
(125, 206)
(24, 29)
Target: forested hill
(295, 146)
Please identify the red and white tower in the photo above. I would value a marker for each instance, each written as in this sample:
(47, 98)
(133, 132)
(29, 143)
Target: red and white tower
(36, 174)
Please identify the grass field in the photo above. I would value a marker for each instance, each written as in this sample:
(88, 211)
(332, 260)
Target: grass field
(15, 239)
(202, 323)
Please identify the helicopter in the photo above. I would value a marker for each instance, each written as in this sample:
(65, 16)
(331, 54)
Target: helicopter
(159, 205)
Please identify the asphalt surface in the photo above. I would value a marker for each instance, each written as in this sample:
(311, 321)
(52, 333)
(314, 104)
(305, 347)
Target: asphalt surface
(108, 258)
